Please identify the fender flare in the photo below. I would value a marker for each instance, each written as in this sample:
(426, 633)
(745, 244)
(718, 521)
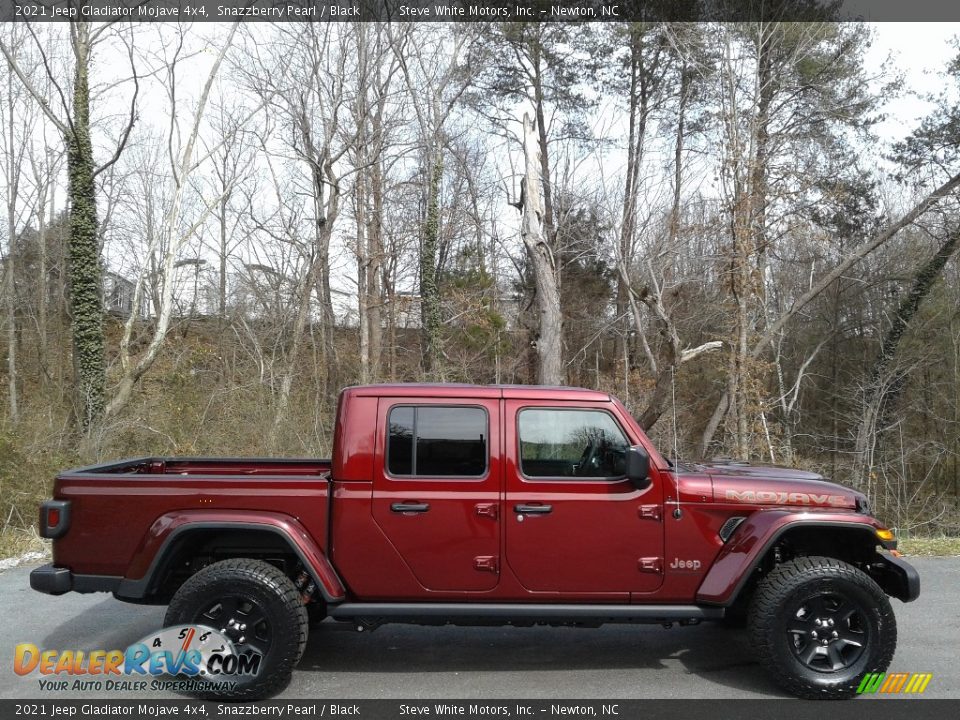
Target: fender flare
(150, 559)
(755, 536)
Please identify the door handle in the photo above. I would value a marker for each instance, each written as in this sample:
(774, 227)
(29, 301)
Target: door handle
(410, 507)
(532, 509)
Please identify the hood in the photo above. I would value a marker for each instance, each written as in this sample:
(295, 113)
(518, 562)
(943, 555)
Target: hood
(744, 468)
(739, 482)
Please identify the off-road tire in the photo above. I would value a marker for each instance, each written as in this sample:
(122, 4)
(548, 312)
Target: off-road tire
(276, 598)
(793, 597)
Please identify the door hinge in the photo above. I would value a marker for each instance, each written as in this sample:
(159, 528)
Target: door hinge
(650, 565)
(487, 563)
(490, 510)
(650, 512)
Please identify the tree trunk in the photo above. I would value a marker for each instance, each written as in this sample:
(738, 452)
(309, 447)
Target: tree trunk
(42, 286)
(12, 182)
(430, 312)
(171, 239)
(685, 81)
(330, 209)
(886, 383)
(375, 262)
(858, 253)
(548, 220)
(550, 337)
(363, 270)
(84, 249)
(636, 135)
(11, 307)
(325, 207)
(222, 269)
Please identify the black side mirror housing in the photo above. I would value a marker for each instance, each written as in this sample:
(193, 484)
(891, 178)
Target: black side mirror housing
(638, 467)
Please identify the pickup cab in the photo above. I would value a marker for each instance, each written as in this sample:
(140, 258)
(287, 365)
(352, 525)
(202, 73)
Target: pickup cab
(461, 504)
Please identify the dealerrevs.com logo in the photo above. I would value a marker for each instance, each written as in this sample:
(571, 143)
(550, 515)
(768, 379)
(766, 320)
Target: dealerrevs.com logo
(183, 657)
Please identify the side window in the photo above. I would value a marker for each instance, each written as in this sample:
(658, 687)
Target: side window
(571, 443)
(437, 441)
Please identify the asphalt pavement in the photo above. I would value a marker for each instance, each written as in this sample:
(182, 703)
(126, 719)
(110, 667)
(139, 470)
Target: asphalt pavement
(397, 661)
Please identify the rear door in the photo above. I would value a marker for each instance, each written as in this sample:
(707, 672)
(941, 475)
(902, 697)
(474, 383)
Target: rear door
(574, 523)
(437, 489)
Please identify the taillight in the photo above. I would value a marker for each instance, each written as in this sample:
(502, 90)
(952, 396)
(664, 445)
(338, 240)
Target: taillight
(54, 518)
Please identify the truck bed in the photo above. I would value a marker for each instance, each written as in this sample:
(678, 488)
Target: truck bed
(116, 507)
(275, 467)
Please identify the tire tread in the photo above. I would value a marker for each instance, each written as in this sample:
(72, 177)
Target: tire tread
(274, 581)
(777, 588)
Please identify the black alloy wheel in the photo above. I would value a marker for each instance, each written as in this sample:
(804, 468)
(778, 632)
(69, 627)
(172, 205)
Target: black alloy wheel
(830, 632)
(241, 619)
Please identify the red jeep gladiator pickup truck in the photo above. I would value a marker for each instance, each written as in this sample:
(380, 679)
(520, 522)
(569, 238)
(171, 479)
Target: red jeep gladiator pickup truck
(459, 504)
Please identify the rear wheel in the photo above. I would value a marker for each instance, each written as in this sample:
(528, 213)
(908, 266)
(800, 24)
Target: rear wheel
(818, 624)
(258, 608)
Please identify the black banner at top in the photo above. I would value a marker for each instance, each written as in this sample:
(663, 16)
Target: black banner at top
(477, 10)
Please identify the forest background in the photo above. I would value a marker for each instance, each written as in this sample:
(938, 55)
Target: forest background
(748, 232)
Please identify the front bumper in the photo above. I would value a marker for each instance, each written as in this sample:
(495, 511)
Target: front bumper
(55, 580)
(898, 578)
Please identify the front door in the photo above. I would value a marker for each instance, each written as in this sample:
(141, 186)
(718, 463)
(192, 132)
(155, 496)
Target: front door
(574, 523)
(436, 489)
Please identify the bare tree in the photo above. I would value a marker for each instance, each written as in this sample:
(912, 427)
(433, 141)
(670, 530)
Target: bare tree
(73, 120)
(854, 256)
(16, 124)
(550, 338)
(45, 165)
(171, 235)
(310, 96)
(231, 165)
(436, 72)
(885, 387)
(768, 113)
(370, 109)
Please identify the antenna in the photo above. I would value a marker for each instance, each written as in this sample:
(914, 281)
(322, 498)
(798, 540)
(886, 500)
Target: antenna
(677, 512)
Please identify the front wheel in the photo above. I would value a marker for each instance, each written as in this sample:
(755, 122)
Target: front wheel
(258, 608)
(819, 624)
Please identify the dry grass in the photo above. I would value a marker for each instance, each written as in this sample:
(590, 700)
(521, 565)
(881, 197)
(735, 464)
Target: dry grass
(930, 547)
(15, 542)
(206, 395)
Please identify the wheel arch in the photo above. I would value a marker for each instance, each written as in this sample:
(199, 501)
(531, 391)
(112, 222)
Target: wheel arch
(758, 543)
(186, 538)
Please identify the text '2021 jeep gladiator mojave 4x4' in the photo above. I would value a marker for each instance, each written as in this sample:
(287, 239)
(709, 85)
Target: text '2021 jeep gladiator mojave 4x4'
(486, 505)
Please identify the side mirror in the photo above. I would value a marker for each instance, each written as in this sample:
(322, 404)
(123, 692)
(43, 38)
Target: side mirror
(638, 467)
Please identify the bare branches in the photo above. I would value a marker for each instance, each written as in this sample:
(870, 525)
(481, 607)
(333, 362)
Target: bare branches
(63, 127)
(125, 135)
(692, 353)
(855, 256)
(173, 238)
